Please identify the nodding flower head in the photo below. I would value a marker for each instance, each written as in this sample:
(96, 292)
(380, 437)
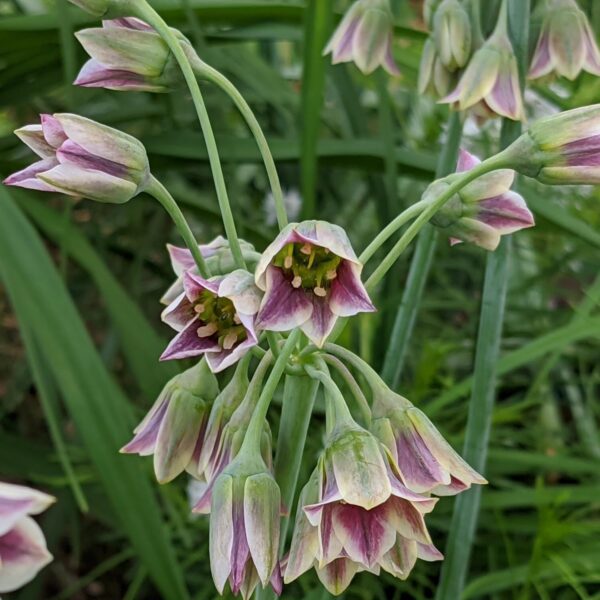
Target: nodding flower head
(310, 276)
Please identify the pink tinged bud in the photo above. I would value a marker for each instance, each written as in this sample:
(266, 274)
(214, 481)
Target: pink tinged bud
(318, 288)
(365, 36)
(23, 549)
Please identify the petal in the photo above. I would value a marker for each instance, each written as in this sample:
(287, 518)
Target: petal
(262, 501)
(570, 176)
(146, 433)
(321, 322)
(220, 359)
(187, 343)
(507, 213)
(401, 558)
(33, 136)
(337, 575)
(71, 153)
(174, 290)
(475, 232)
(541, 63)
(221, 531)
(127, 23)
(345, 28)
(592, 56)
(240, 288)
(179, 313)
(404, 517)
(241, 565)
(24, 553)
(566, 43)
(369, 43)
(348, 294)
(17, 501)
(283, 307)
(428, 552)
(194, 285)
(466, 161)
(27, 177)
(505, 97)
(489, 185)
(285, 236)
(330, 546)
(95, 75)
(479, 78)
(53, 131)
(389, 64)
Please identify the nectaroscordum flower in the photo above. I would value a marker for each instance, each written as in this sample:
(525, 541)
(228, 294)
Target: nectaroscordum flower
(23, 551)
(128, 54)
(310, 276)
(214, 317)
(174, 429)
(566, 44)
(452, 34)
(365, 36)
(484, 210)
(80, 157)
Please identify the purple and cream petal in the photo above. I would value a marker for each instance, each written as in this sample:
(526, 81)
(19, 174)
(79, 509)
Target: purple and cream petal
(388, 63)
(466, 161)
(401, 558)
(507, 213)
(475, 232)
(348, 294)
(194, 285)
(72, 153)
(187, 344)
(407, 520)
(222, 532)
(95, 75)
(428, 552)
(344, 32)
(505, 96)
(541, 63)
(567, 44)
(146, 433)
(127, 23)
(240, 288)
(53, 131)
(337, 575)
(28, 177)
(17, 501)
(33, 136)
(592, 56)
(321, 322)
(220, 359)
(570, 175)
(369, 45)
(285, 236)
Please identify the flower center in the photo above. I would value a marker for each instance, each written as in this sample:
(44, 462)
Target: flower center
(308, 266)
(218, 319)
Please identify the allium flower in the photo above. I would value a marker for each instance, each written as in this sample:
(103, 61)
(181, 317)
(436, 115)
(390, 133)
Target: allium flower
(244, 528)
(434, 77)
(174, 429)
(563, 149)
(365, 36)
(214, 317)
(491, 80)
(452, 34)
(567, 44)
(484, 210)
(427, 463)
(23, 551)
(128, 54)
(80, 157)
(310, 276)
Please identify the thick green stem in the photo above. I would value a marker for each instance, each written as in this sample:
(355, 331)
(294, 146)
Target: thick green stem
(144, 11)
(499, 161)
(204, 70)
(160, 192)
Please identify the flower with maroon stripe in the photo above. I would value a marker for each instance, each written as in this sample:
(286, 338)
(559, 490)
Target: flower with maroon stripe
(214, 317)
(174, 428)
(23, 551)
(366, 36)
(80, 157)
(567, 44)
(311, 276)
(482, 211)
(128, 54)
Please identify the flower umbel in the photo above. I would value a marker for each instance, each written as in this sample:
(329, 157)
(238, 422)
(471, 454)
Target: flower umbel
(214, 317)
(483, 210)
(80, 157)
(310, 276)
(23, 551)
(567, 44)
(365, 36)
(174, 429)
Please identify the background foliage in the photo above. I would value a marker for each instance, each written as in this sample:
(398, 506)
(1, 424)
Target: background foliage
(80, 315)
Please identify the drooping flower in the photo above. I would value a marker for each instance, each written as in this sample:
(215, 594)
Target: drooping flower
(23, 551)
(365, 35)
(490, 83)
(214, 317)
(484, 210)
(244, 528)
(452, 34)
(563, 149)
(310, 276)
(566, 44)
(434, 77)
(174, 428)
(128, 54)
(217, 255)
(80, 157)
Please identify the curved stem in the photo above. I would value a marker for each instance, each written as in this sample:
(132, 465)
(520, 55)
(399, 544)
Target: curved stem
(144, 11)
(204, 70)
(499, 161)
(373, 379)
(157, 190)
(391, 228)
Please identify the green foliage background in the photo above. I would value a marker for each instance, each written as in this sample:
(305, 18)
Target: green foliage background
(79, 307)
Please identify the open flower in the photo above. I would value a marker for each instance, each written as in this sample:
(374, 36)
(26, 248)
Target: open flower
(214, 317)
(567, 44)
(80, 157)
(310, 276)
(23, 551)
(174, 429)
(484, 210)
(244, 528)
(490, 83)
(128, 54)
(365, 36)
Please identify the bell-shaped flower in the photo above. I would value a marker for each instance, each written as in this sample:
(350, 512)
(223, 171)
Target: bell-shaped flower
(214, 317)
(174, 429)
(434, 78)
(244, 527)
(217, 255)
(566, 44)
(128, 54)
(310, 276)
(482, 211)
(366, 36)
(23, 551)
(452, 34)
(80, 157)
(490, 82)
(563, 149)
